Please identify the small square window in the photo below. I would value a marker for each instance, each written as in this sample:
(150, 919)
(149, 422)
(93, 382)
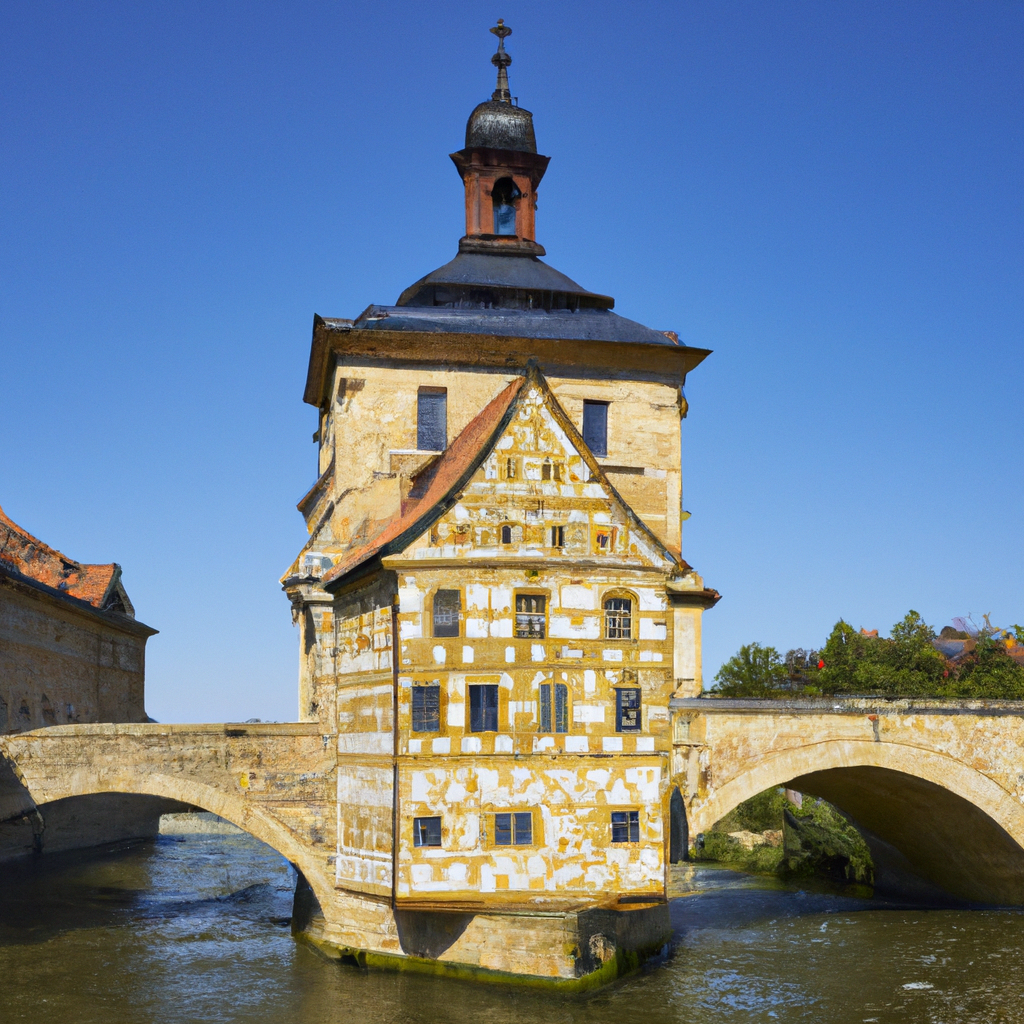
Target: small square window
(426, 831)
(627, 710)
(625, 826)
(530, 621)
(513, 829)
(447, 605)
(595, 427)
(483, 708)
(426, 708)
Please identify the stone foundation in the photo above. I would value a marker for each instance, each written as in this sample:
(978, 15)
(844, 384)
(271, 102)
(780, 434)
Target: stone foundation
(570, 949)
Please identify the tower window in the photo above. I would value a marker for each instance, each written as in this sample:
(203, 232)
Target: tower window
(447, 605)
(515, 829)
(559, 721)
(432, 420)
(506, 535)
(530, 616)
(483, 708)
(426, 708)
(426, 831)
(627, 710)
(625, 826)
(558, 536)
(503, 198)
(595, 427)
(618, 618)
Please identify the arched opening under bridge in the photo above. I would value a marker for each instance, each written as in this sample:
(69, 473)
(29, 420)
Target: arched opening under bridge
(955, 826)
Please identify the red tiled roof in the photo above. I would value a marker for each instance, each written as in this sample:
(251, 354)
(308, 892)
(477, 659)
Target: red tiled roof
(448, 472)
(30, 557)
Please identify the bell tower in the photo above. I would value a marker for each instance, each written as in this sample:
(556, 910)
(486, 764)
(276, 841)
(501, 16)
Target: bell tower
(501, 170)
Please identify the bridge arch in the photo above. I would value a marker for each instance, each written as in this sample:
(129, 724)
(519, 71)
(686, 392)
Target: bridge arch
(234, 808)
(957, 827)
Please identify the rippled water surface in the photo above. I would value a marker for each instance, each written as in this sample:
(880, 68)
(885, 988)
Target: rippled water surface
(196, 929)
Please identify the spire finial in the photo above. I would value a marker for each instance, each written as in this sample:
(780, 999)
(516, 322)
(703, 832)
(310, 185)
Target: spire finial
(501, 61)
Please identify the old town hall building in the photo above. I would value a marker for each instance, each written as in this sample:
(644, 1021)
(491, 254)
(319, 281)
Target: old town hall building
(494, 608)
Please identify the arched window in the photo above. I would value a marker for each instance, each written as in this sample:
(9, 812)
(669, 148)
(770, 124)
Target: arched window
(447, 605)
(503, 198)
(618, 618)
(506, 535)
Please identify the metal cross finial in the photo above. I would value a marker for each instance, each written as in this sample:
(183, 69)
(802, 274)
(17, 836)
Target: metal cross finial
(501, 61)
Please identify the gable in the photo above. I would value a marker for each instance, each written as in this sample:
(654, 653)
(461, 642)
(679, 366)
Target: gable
(539, 493)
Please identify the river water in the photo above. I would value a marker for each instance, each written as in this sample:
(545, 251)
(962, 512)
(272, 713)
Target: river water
(180, 930)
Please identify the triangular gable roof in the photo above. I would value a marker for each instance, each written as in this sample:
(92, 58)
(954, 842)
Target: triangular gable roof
(97, 585)
(450, 474)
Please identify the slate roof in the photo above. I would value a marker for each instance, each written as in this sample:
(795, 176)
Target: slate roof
(560, 324)
(502, 272)
(445, 477)
(21, 553)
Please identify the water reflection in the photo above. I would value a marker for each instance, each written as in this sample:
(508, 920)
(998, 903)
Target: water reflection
(195, 929)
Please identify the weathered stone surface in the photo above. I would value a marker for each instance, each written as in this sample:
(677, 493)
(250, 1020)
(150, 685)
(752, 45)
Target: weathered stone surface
(940, 781)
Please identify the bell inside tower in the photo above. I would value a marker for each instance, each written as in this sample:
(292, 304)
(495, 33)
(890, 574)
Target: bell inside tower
(503, 199)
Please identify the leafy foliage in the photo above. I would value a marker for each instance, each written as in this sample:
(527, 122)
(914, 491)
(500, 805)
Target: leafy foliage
(904, 664)
(754, 671)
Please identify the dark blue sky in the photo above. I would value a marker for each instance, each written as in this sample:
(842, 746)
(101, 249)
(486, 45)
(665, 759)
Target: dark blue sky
(827, 194)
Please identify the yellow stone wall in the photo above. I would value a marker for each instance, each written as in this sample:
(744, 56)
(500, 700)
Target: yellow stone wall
(571, 782)
(368, 434)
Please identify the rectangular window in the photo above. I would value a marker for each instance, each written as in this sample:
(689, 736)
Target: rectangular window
(595, 427)
(558, 536)
(432, 420)
(483, 708)
(447, 605)
(515, 829)
(426, 708)
(561, 708)
(426, 831)
(560, 718)
(530, 616)
(625, 826)
(627, 710)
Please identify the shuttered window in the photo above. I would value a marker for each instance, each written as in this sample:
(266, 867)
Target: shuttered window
(483, 708)
(554, 718)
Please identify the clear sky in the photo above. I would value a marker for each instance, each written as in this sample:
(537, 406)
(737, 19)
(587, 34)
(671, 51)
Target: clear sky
(827, 194)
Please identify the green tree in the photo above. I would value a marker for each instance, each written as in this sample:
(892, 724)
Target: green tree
(754, 671)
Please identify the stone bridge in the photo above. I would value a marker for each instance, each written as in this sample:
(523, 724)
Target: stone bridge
(942, 782)
(276, 782)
